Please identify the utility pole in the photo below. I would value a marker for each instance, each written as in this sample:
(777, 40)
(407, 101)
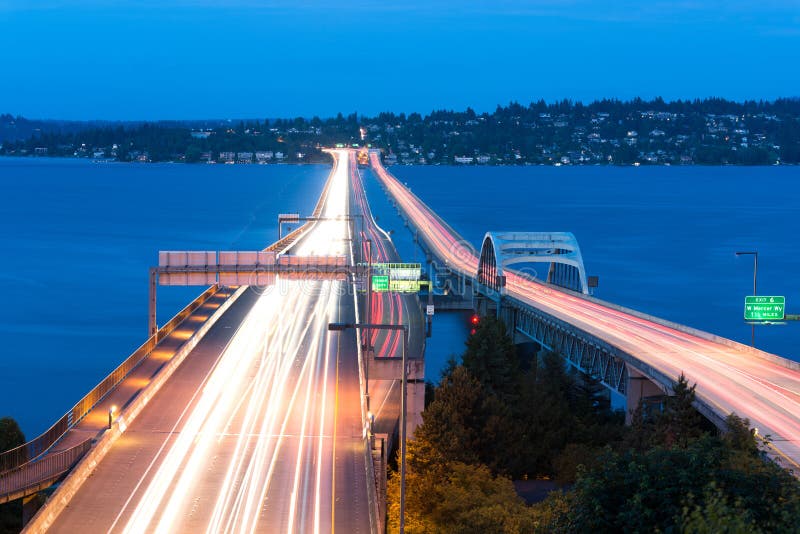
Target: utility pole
(753, 253)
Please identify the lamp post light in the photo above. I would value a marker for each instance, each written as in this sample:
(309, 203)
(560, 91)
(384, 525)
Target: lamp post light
(111, 412)
(368, 334)
(338, 327)
(753, 253)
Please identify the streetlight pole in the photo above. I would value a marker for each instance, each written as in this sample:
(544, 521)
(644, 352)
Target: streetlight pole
(368, 314)
(403, 402)
(753, 253)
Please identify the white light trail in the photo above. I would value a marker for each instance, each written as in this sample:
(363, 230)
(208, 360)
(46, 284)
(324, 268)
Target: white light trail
(265, 406)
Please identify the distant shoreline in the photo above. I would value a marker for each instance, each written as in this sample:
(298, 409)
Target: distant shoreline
(437, 164)
(606, 132)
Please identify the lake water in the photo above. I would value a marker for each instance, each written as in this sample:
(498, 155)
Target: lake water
(78, 238)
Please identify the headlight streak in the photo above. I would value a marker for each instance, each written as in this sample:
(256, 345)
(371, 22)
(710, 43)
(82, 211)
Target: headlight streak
(202, 420)
(268, 390)
(322, 416)
(265, 447)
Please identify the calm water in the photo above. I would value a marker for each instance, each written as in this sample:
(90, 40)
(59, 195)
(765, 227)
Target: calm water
(661, 239)
(77, 239)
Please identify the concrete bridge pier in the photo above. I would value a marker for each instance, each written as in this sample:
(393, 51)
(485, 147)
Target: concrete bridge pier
(391, 369)
(485, 307)
(638, 389)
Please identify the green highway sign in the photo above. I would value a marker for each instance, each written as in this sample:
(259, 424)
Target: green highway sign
(404, 286)
(380, 283)
(768, 308)
(399, 271)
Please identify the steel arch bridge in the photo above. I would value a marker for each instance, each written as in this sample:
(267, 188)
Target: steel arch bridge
(558, 250)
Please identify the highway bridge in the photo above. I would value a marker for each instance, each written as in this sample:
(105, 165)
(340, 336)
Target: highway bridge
(632, 353)
(244, 412)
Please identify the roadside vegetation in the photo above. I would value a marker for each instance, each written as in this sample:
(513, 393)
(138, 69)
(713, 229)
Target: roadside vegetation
(10, 513)
(495, 418)
(711, 131)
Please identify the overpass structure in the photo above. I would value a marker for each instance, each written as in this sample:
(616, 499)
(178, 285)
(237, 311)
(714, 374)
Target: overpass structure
(242, 413)
(632, 353)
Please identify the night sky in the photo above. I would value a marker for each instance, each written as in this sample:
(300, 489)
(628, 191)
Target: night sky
(193, 59)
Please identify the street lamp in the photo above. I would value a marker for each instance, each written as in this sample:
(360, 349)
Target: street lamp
(753, 253)
(111, 412)
(368, 314)
(339, 327)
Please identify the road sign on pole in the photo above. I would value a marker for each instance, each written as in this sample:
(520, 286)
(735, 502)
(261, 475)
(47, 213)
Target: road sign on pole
(380, 282)
(404, 286)
(767, 308)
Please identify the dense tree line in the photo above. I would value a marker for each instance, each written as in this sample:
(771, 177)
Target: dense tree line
(10, 513)
(495, 417)
(708, 131)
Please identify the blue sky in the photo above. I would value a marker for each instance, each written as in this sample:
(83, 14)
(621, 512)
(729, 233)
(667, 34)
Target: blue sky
(103, 59)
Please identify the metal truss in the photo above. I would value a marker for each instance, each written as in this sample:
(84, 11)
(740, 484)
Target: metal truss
(588, 354)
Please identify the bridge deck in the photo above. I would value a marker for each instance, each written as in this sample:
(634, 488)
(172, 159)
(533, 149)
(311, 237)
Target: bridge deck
(259, 427)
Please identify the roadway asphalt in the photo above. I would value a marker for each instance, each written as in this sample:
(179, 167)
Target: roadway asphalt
(96, 421)
(730, 378)
(260, 429)
(388, 308)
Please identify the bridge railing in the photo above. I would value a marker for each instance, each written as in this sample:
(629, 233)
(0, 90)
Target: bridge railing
(31, 450)
(32, 474)
(22, 454)
(289, 238)
(131, 362)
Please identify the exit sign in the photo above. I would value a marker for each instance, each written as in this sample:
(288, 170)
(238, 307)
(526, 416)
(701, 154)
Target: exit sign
(768, 308)
(380, 283)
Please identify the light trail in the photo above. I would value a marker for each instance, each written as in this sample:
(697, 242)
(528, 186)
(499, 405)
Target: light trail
(254, 452)
(729, 379)
(386, 307)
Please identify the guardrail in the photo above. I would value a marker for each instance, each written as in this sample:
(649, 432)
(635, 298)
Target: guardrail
(63, 495)
(31, 450)
(289, 238)
(20, 480)
(27, 453)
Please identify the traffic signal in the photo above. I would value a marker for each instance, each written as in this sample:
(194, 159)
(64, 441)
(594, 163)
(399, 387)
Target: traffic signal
(473, 323)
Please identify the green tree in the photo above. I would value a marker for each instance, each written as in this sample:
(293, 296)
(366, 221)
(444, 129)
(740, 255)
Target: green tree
(739, 436)
(676, 425)
(457, 497)
(717, 515)
(491, 357)
(10, 513)
(462, 424)
(680, 422)
(10, 434)
(651, 491)
(193, 154)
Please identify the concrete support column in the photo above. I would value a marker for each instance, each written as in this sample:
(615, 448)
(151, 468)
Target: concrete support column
(152, 325)
(379, 461)
(638, 386)
(415, 395)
